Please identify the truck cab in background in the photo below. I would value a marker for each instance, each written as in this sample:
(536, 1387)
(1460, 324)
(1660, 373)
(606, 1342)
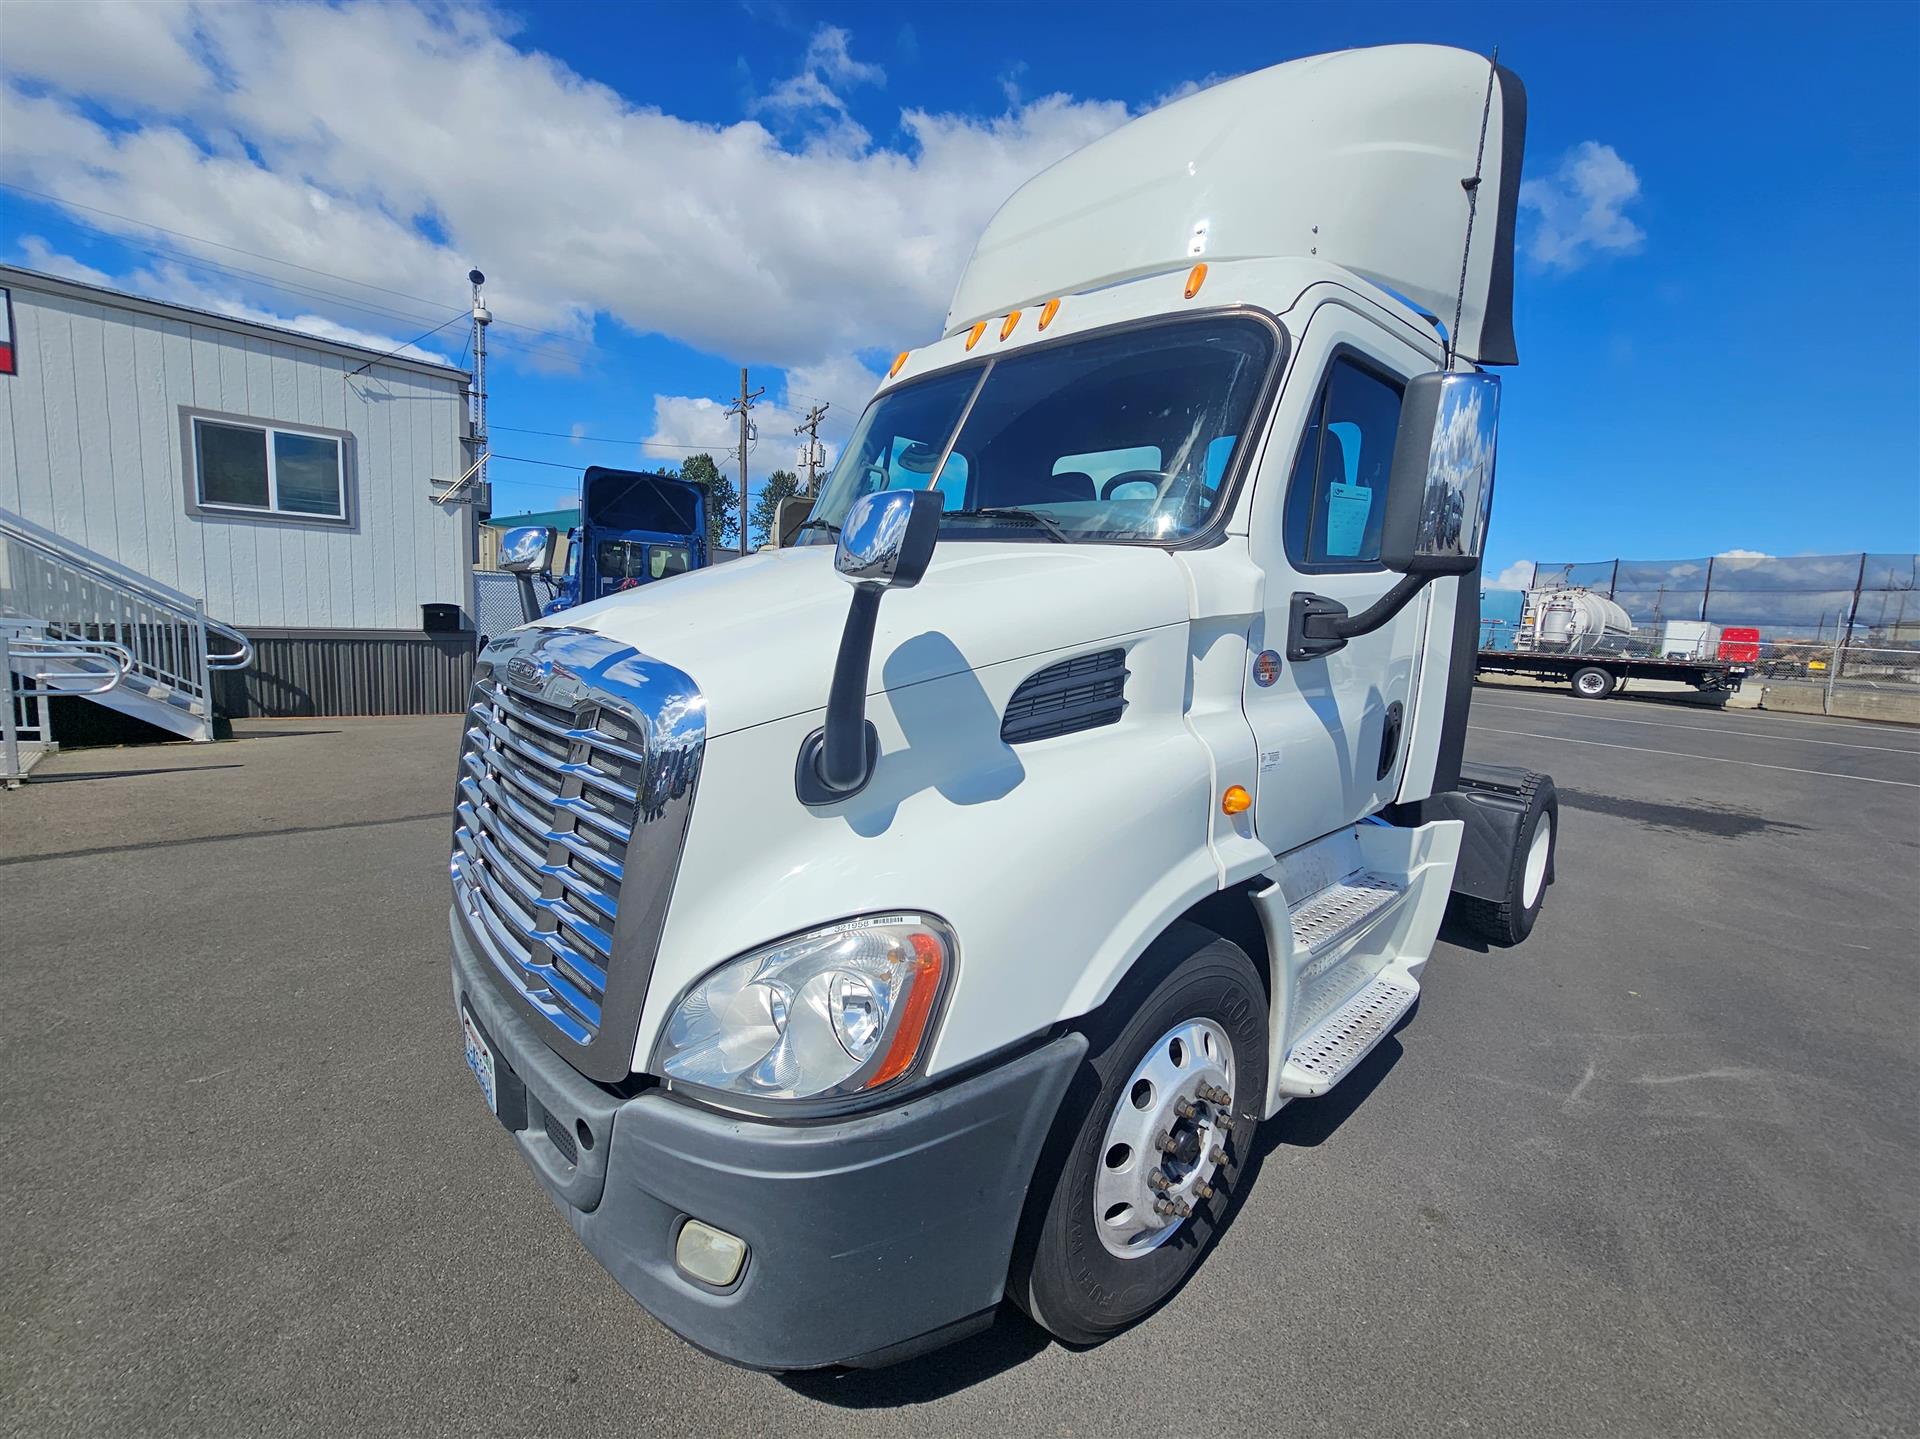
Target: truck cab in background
(928, 913)
(634, 528)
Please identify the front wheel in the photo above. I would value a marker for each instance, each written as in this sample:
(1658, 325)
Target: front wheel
(1148, 1154)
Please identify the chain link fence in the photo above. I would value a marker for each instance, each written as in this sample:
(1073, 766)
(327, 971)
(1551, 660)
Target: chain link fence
(1839, 634)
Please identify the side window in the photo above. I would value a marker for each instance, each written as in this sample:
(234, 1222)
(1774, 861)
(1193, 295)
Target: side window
(1337, 496)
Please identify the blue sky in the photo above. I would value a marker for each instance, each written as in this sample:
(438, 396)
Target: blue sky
(661, 194)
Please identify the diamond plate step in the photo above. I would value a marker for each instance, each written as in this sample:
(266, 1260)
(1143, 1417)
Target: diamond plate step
(1326, 916)
(1327, 1053)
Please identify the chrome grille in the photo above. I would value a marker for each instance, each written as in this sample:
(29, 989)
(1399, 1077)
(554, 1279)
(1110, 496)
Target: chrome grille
(575, 784)
(548, 798)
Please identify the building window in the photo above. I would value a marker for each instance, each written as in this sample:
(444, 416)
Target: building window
(265, 469)
(1337, 500)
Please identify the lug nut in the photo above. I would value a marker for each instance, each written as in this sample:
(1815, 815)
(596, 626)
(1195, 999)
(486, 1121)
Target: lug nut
(1202, 1189)
(1181, 1207)
(1184, 1108)
(1158, 1180)
(1163, 1141)
(1218, 1155)
(1163, 1206)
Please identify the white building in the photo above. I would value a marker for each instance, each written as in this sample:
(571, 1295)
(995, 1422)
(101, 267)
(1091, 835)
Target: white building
(286, 481)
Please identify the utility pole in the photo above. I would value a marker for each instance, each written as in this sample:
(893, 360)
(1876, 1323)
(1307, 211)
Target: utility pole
(810, 427)
(740, 407)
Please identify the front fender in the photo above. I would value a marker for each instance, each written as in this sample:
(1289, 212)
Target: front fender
(1056, 862)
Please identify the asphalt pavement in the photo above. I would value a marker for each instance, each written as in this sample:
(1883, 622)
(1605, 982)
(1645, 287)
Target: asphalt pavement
(1654, 1172)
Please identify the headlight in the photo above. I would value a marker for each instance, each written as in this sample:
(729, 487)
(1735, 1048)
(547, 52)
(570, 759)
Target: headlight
(834, 1012)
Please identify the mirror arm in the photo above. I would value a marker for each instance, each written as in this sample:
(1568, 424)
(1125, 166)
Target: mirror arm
(1319, 626)
(838, 759)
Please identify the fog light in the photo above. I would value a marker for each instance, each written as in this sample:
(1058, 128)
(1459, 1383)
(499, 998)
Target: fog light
(710, 1255)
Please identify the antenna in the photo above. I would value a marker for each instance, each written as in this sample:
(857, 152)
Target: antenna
(1472, 186)
(482, 317)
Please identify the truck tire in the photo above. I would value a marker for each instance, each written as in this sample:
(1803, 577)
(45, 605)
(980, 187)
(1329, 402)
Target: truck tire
(1509, 920)
(1094, 1256)
(1591, 682)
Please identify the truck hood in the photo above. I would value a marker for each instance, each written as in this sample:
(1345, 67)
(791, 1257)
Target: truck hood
(759, 635)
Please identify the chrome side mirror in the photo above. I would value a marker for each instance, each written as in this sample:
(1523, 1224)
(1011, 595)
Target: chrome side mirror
(1440, 490)
(888, 538)
(524, 551)
(886, 543)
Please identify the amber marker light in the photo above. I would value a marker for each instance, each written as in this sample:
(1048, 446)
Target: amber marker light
(1236, 800)
(1047, 312)
(1012, 320)
(973, 336)
(1196, 277)
(898, 360)
(929, 962)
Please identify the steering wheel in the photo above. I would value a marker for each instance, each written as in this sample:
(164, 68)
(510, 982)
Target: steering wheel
(1156, 478)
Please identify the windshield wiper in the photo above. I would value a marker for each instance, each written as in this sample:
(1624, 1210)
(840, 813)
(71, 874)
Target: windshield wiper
(826, 525)
(1014, 512)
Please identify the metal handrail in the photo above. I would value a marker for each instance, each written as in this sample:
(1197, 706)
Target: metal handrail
(57, 650)
(242, 655)
(76, 596)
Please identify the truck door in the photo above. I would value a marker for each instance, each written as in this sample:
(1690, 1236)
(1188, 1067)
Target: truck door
(1331, 730)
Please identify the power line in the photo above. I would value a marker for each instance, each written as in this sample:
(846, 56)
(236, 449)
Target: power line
(610, 440)
(456, 315)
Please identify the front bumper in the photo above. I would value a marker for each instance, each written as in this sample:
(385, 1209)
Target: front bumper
(869, 1238)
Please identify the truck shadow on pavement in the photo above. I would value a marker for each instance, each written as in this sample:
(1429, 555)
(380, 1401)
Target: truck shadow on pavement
(1014, 1339)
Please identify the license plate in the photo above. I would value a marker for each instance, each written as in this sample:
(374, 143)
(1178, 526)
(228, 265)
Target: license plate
(480, 1061)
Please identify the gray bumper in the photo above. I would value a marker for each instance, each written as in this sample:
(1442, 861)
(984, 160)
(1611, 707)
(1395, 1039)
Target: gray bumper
(869, 1237)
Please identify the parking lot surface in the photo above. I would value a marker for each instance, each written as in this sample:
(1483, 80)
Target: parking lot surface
(1654, 1172)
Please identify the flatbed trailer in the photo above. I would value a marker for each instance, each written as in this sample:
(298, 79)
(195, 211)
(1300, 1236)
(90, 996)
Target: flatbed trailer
(1595, 677)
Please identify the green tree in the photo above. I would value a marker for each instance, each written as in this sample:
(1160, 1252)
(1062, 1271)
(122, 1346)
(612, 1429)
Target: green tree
(723, 502)
(765, 513)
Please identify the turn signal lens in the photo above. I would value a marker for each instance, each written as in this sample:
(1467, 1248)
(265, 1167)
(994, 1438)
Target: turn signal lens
(1236, 800)
(974, 337)
(1012, 320)
(1196, 277)
(898, 360)
(1047, 312)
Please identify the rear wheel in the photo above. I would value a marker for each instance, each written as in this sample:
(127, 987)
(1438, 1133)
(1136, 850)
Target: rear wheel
(1509, 919)
(1146, 1158)
(1592, 683)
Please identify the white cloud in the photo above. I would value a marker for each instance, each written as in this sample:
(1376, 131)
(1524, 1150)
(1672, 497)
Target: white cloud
(1516, 576)
(1580, 210)
(1743, 555)
(398, 144)
(37, 254)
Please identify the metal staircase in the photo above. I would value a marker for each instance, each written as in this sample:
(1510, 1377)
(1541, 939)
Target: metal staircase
(76, 623)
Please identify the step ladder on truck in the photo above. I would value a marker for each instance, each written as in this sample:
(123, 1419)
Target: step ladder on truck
(75, 623)
(844, 963)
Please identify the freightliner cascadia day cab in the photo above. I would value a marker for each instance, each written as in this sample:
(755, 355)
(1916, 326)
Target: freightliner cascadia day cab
(844, 961)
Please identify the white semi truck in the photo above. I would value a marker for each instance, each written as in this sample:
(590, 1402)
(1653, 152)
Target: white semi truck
(845, 961)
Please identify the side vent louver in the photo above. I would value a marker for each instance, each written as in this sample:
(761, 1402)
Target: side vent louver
(1081, 693)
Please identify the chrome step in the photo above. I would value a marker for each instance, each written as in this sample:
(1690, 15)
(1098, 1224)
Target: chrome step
(1327, 916)
(1327, 1053)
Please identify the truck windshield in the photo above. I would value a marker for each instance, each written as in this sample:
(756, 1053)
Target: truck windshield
(1118, 437)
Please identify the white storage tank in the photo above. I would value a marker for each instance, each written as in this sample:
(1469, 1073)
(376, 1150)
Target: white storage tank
(1577, 622)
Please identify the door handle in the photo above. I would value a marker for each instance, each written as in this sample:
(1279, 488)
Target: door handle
(1390, 740)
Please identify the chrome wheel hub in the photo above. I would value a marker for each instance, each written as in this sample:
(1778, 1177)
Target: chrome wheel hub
(1166, 1139)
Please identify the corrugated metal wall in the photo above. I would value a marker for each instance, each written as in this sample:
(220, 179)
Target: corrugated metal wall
(378, 672)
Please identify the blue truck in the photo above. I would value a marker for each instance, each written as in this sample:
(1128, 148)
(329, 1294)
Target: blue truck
(634, 528)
